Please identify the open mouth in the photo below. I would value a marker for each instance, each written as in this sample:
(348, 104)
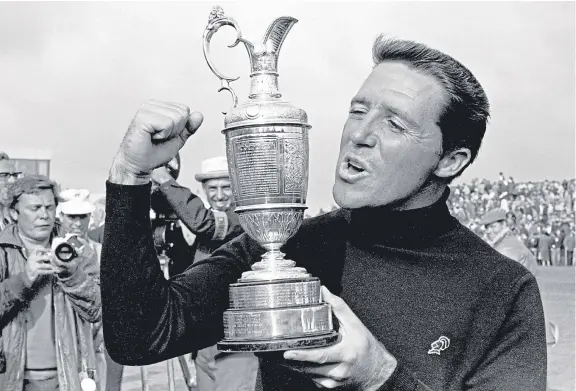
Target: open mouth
(352, 170)
(354, 167)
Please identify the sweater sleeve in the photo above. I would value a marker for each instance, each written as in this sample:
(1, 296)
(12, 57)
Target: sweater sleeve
(403, 380)
(147, 318)
(191, 211)
(516, 360)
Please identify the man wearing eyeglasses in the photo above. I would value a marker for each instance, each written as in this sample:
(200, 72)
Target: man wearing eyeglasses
(8, 174)
(8, 171)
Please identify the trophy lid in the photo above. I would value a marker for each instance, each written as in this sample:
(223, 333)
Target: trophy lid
(264, 105)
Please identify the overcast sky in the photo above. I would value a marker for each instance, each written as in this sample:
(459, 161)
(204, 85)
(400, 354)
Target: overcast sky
(72, 75)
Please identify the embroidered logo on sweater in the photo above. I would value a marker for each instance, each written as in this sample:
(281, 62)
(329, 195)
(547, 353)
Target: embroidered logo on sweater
(439, 345)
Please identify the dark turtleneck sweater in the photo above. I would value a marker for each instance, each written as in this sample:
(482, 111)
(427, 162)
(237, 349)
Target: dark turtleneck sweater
(411, 277)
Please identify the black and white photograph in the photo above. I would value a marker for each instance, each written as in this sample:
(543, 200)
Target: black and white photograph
(287, 196)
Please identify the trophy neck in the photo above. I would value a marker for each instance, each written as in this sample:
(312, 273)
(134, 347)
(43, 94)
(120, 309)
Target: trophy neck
(264, 77)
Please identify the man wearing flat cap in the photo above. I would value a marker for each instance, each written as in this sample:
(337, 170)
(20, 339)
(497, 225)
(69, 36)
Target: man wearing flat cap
(212, 228)
(503, 240)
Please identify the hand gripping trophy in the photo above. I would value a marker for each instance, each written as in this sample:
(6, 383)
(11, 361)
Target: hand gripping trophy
(275, 306)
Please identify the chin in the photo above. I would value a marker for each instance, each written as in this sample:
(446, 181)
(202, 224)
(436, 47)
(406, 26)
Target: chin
(347, 197)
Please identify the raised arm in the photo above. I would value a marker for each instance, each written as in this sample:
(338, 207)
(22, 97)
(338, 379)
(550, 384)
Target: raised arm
(146, 317)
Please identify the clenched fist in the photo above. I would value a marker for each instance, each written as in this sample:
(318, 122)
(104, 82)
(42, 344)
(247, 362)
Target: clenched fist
(156, 134)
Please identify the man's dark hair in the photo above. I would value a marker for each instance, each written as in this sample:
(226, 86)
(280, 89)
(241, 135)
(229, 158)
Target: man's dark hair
(463, 120)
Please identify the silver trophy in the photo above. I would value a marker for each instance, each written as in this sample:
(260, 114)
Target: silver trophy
(275, 306)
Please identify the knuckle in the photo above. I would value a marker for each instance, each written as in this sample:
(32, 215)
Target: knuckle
(329, 383)
(184, 108)
(338, 303)
(323, 358)
(340, 373)
(348, 356)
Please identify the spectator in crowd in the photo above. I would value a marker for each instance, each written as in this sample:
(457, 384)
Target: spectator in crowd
(545, 247)
(8, 174)
(76, 210)
(569, 245)
(47, 307)
(212, 228)
(503, 240)
(96, 226)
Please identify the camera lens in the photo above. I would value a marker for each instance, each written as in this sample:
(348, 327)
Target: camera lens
(65, 252)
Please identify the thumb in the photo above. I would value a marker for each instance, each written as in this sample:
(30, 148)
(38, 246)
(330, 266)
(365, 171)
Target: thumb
(194, 121)
(345, 316)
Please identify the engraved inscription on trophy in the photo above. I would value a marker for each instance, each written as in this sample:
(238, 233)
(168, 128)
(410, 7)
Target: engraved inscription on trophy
(257, 166)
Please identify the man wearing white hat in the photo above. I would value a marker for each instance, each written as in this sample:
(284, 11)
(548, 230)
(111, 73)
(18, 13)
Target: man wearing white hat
(213, 227)
(75, 209)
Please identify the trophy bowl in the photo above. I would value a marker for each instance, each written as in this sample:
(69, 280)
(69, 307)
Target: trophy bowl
(271, 226)
(275, 306)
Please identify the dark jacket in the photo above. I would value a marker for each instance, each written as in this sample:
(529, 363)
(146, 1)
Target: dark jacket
(212, 229)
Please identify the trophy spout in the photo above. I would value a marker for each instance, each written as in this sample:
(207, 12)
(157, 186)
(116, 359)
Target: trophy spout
(264, 59)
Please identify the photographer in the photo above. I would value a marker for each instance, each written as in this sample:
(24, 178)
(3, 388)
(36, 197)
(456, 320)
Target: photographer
(212, 227)
(47, 305)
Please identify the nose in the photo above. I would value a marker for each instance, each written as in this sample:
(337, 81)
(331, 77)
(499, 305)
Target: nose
(43, 213)
(220, 196)
(363, 136)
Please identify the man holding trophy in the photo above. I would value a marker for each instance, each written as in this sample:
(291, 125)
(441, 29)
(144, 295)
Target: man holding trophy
(421, 302)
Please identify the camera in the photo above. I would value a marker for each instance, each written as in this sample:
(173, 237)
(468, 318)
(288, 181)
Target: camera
(65, 249)
(166, 229)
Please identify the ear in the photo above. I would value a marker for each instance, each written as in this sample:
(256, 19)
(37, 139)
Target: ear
(13, 214)
(453, 163)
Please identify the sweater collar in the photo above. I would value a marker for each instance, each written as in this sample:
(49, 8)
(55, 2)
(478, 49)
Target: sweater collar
(406, 228)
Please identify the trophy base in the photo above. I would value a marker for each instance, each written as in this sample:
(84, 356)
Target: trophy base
(274, 345)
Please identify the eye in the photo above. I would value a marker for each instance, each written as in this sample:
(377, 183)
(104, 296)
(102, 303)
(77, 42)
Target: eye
(396, 125)
(356, 111)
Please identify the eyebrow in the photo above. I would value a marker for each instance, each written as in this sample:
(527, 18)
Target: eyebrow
(38, 205)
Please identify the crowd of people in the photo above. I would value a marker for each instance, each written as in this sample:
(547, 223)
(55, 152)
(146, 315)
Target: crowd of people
(51, 335)
(540, 213)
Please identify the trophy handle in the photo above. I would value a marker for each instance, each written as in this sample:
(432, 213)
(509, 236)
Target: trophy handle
(215, 21)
